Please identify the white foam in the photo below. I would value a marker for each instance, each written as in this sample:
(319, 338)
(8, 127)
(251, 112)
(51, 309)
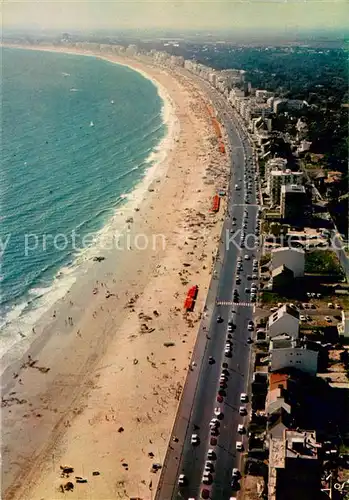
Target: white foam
(19, 322)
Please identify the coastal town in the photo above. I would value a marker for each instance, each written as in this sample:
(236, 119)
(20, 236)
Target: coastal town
(263, 411)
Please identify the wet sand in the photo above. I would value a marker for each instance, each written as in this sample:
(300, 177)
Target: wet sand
(99, 392)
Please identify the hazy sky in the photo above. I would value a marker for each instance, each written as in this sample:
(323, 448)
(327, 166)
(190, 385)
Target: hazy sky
(179, 14)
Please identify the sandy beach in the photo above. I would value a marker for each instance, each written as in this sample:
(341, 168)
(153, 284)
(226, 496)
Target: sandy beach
(98, 392)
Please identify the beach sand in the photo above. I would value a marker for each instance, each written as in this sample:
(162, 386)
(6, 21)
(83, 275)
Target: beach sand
(100, 395)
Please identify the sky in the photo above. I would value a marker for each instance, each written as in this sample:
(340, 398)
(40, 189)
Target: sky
(275, 15)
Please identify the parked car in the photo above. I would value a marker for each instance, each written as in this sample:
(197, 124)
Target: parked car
(182, 480)
(195, 439)
(242, 411)
(239, 446)
(243, 397)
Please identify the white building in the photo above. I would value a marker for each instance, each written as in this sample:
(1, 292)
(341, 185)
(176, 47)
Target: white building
(177, 61)
(132, 50)
(279, 105)
(343, 326)
(275, 164)
(284, 321)
(263, 95)
(277, 179)
(292, 258)
(286, 352)
(304, 146)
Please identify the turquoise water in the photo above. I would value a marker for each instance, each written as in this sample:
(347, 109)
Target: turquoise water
(76, 135)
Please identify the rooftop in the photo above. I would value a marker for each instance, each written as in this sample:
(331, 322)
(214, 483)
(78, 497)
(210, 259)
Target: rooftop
(281, 270)
(276, 379)
(285, 309)
(301, 444)
(288, 249)
(292, 188)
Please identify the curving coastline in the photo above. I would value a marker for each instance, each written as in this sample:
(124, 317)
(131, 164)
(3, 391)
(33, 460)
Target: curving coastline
(44, 301)
(111, 390)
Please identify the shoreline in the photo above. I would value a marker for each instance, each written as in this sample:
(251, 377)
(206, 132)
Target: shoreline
(102, 394)
(39, 314)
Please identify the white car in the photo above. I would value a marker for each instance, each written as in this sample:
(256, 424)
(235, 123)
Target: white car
(207, 478)
(328, 319)
(218, 412)
(243, 397)
(214, 422)
(194, 439)
(239, 446)
(241, 429)
(182, 480)
(211, 455)
(209, 466)
(302, 318)
(236, 472)
(242, 411)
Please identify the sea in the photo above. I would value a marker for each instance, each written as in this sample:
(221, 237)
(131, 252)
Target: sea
(79, 135)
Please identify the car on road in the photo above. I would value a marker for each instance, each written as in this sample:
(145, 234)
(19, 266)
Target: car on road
(249, 340)
(241, 429)
(207, 478)
(214, 422)
(182, 480)
(218, 412)
(230, 328)
(209, 466)
(254, 276)
(211, 455)
(227, 354)
(249, 277)
(214, 431)
(205, 493)
(235, 485)
(219, 319)
(194, 440)
(239, 446)
(237, 280)
(236, 472)
(219, 399)
(243, 397)
(211, 360)
(242, 411)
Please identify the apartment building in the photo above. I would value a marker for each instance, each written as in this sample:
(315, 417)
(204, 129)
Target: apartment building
(277, 179)
(294, 203)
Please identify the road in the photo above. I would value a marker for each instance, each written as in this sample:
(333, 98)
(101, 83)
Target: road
(198, 400)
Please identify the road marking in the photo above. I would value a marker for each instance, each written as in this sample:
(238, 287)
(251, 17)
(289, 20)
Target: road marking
(231, 303)
(245, 205)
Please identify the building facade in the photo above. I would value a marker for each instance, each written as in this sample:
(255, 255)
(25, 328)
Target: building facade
(292, 258)
(294, 203)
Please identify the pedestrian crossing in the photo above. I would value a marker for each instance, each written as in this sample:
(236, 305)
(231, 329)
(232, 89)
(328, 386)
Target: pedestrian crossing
(231, 303)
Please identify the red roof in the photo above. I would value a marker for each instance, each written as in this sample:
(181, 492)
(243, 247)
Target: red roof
(277, 379)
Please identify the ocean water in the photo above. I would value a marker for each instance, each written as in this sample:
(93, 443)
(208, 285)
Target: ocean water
(78, 135)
